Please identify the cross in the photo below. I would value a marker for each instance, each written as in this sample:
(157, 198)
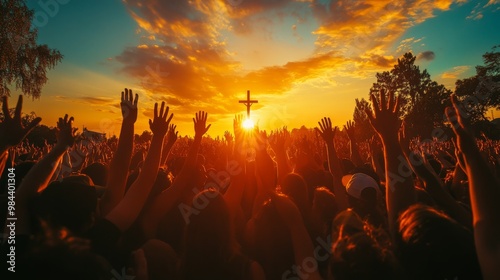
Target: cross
(248, 103)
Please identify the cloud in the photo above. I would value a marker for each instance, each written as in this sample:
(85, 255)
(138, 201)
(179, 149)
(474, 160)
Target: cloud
(455, 72)
(406, 44)
(477, 12)
(183, 57)
(427, 55)
(370, 26)
(492, 2)
(89, 100)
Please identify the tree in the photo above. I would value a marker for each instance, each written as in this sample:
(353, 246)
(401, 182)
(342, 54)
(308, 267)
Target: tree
(423, 100)
(363, 129)
(466, 90)
(22, 61)
(481, 91)
(40, 135)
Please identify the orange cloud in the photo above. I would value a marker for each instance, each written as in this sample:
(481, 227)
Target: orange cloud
(455, 72)
(184, 58)
(364, 27)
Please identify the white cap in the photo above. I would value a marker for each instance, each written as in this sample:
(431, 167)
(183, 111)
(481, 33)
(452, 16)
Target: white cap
(356, 183)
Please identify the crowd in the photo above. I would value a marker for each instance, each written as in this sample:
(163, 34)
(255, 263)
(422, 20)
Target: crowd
(300, 204)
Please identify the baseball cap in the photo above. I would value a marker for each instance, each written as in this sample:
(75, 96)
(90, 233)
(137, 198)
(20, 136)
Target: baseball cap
(357, 182)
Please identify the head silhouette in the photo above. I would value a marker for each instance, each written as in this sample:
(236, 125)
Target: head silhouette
(209, 242)
(433, 246)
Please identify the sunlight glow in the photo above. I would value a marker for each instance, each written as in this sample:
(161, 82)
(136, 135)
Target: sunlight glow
(248, 124)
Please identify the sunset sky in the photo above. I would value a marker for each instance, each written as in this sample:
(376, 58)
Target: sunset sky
(302, 59)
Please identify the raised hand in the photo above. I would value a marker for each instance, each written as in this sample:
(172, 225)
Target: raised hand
(278, 139)
(228, 137)
(122, 157)
(237, 122)
(172, 134)
(12, 132)
(159, 124)
(349, 128)
(484, 193)
(459, 157)
(384, 116)
(325, 130)
(461, 127)
(353, 145)
(260, 139)
(384, 119)
(65, 131)
(128, 105)
(200, 124)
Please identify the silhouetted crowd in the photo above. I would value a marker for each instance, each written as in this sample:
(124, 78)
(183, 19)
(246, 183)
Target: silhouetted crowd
(300, 204)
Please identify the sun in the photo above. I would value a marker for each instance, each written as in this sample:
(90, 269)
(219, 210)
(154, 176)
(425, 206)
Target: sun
(248, 124)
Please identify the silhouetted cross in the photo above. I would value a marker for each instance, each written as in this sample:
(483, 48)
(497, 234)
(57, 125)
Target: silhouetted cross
(248, 103)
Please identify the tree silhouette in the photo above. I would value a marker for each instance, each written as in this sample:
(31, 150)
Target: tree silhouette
(481, 91)
(22, 61)
(423, 100)
(467, 89)
(363, 129)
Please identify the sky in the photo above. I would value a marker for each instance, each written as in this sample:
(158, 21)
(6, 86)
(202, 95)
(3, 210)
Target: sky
(301, 59)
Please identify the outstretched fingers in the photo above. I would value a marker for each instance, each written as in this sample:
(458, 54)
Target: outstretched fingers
(397, 104)
(383, 103)
(369, 114)
(156, 110)
(136, 100)
(170, 117)
(130, 96)
(200, 121)
(326, 124)
(454, 117)
(163, 114)
(392, 102)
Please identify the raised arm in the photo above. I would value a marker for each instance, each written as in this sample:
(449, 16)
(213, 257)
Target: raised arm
(236, 165)
(39, 175)
(200, 128)
(484, 190)
(327, 132)
(169, 197)
(375, 153)
(265, 173)
(127, 211)
(353, 144)
(400, 191)
(432, 183)
(238, 150)
(119, 165)
(277, 141)
(171, 138)
(12, 131)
